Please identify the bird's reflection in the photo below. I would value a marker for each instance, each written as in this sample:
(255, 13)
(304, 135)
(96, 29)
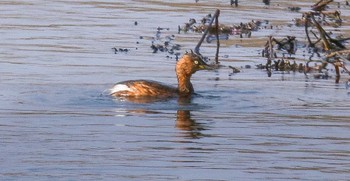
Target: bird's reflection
(188, 126)
(142, 100)
(184, 122)
(191, 128)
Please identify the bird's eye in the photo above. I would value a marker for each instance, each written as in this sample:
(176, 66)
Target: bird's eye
(196, 62)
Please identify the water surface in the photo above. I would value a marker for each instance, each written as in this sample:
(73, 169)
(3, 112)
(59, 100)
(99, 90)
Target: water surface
(57, 123)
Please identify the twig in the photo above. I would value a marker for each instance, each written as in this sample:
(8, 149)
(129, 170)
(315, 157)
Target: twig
(337, 77)
(307, 21)
(217, 38)
(321, 5)
(234, 2)
(196, 49)
(323, 34)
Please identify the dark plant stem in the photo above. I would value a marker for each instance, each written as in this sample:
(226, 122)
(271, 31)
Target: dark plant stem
(217, 38)
(196, 49)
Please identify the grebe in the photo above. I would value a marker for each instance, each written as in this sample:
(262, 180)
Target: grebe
(185, 67)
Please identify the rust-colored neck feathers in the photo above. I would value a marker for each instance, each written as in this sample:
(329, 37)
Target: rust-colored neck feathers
(184, 70)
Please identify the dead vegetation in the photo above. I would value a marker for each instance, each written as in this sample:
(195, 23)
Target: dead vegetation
(324, 48)
(326, 52)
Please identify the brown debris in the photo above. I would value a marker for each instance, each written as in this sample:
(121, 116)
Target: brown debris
(321, 5)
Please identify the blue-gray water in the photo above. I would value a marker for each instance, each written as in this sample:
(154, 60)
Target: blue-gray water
(57, 123)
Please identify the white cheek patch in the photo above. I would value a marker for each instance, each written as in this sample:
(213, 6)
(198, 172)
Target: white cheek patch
(118, 88)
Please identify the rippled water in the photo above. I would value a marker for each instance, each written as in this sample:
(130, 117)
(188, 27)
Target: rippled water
(56, 122)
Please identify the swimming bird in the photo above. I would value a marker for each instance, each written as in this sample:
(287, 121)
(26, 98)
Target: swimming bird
(185, 68)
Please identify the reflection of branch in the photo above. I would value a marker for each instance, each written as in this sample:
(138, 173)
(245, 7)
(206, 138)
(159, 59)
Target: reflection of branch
(336, 66)
(270, 48)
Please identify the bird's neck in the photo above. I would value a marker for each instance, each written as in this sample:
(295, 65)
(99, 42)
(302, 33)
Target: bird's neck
(185, 87)
(184, 84)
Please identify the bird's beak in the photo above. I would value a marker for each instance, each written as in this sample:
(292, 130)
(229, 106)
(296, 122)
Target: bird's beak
(204, 66)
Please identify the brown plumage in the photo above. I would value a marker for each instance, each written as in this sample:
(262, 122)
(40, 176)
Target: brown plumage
(185, 67)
